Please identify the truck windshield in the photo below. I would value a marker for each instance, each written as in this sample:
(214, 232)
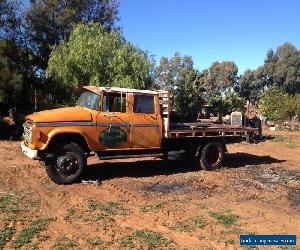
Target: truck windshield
(89, 100)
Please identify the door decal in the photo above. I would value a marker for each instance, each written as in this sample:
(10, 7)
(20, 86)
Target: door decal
(113, 137)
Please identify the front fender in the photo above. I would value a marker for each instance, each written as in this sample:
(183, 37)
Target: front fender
(47, 136)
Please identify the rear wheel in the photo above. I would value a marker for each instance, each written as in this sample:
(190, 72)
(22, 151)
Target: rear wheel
(212, 156)
(65, 165)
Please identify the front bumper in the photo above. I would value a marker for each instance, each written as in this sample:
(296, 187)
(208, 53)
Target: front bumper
(31, 153)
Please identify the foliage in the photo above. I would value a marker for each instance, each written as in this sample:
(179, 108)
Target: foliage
(251, 84)
(93, 56)
(48, 22)
(29, 32)
(11, 78)
(5, 235)
(227, 104)
(282, 68)
(27, 234)
(178, 75)
(278, 105)
(15, 57)
(223, 77)
(153, 240)
(63, 242)
(226, 219)
(218, 82)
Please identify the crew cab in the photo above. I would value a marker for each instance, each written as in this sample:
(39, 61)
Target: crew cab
(119, 122)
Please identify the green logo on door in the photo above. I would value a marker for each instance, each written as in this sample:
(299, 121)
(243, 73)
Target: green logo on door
(113, 137)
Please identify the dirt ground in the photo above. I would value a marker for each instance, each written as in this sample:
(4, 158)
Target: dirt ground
(153, 204)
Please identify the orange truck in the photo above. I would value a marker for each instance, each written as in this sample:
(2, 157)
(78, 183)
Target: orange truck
(117, 123)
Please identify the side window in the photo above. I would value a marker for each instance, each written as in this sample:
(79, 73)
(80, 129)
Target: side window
(144, 104)
(114, 102)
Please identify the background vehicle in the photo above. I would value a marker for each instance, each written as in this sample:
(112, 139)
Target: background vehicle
(118, 123)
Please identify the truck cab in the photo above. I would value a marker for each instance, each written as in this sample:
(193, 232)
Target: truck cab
(104, 120)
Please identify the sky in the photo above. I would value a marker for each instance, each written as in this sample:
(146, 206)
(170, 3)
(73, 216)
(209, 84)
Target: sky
(213, 30)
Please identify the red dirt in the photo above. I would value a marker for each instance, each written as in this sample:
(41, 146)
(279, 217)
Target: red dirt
(153, 204)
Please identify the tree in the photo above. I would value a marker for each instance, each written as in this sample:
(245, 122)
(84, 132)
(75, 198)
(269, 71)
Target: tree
(49, 22)
(9, 19)
(178, 75)
(188, 98)
(11, 78)
(218, 81)
(97, 57)
(251, 85)
(168, 70)
(282, 68)
(30, 33)
(222, 77)
(15, 57)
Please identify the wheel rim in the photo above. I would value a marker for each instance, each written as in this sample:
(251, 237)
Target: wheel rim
(67, 165)
(213, 155)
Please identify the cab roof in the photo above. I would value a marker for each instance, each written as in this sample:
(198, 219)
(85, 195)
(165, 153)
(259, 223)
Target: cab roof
(98, 90)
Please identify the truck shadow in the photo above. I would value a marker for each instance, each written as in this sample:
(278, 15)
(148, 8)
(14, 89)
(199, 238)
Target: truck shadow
(237, 160)
(148, 168)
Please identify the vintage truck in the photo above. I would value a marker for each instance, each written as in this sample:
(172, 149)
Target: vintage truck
(117, 123)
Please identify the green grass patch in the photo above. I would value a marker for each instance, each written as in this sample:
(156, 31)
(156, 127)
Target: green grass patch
(190, 224)
(63, 242)
(153, 240)
(27, 234)
(199, 222)
(291, 144)
(281, 138)
(182, 226)
(127, 242)
(288, 140)
(109, 208)
(70, 213)
(151, 207)
(202, 205)
(96, 242)
(9, 203)
(225, 219)
(5, 236)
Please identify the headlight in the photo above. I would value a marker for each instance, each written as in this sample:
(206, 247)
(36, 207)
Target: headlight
(27, 135)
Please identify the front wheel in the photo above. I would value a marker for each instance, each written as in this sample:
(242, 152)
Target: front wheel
(66, 165)
(212, 156)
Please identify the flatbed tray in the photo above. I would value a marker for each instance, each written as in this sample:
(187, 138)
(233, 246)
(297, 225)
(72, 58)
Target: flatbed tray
(206, 129)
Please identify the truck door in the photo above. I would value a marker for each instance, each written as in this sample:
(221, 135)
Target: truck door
(113, 123)
(145, 129)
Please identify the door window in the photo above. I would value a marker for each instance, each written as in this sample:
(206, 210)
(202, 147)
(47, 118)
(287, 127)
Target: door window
(144, 104)
(114, 102)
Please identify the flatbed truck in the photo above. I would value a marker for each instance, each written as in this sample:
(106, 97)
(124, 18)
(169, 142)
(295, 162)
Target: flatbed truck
(120, 123)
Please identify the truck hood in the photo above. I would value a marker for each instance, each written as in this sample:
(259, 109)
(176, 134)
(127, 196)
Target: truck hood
(61, 115)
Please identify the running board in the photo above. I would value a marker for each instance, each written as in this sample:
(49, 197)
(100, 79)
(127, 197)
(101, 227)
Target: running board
(111, 157)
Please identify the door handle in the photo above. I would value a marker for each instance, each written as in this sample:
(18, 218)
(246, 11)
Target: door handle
(110, 116)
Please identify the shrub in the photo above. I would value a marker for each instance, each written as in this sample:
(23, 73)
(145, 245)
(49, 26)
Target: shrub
(277, 105)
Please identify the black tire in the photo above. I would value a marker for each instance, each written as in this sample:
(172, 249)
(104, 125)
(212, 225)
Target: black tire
(66, 164)
(212, 156)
